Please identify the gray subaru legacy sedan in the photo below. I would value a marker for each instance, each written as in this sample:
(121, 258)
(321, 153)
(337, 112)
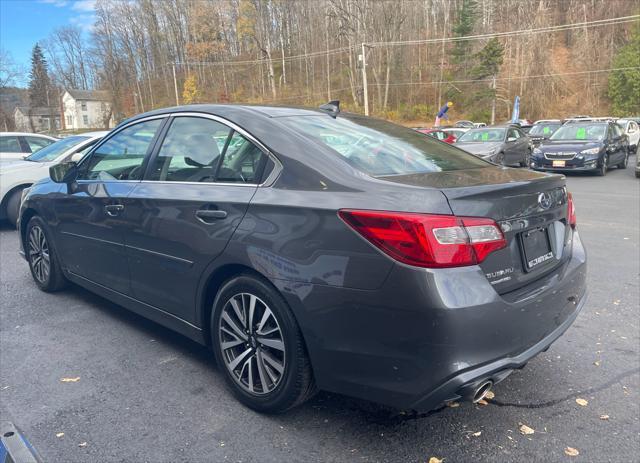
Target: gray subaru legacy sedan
(314, 249)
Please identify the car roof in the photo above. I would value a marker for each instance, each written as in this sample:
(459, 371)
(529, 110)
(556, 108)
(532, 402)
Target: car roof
(27, 134)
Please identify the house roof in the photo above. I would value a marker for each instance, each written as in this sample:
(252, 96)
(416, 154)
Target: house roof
(38, 111)
(93, 95)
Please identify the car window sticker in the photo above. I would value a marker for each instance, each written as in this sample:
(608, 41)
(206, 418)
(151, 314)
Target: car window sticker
(581, 133)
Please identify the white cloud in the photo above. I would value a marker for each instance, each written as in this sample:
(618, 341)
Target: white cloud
(85, 22)
(58, 3)
(84, 5)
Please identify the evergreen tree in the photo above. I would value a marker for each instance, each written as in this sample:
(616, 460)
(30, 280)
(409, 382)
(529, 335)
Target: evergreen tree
(489, 60)
(462, 27)
(39, 83)
(624, 85)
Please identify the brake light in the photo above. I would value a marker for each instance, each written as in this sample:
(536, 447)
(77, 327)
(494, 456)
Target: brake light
(427, 240)
(571, 211)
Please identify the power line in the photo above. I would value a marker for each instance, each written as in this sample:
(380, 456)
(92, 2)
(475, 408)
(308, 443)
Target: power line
(547, 29)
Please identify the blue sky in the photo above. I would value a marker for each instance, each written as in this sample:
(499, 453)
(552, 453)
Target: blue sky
(25, 22)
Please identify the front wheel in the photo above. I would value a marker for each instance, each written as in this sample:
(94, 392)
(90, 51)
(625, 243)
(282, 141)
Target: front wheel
(602, 170)
(258, 345)
(527, 159)
(40, 253)
(500, 159)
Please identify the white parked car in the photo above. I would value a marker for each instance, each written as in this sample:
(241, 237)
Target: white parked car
(631, 129)
(17, 145)
(19, 174)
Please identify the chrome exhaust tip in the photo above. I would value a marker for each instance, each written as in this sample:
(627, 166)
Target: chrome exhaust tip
(482, 391)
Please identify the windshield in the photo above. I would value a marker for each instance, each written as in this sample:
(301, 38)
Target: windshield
(595, 132)
(545, 130)
(489, 134)
(51, 152)
(381, 148)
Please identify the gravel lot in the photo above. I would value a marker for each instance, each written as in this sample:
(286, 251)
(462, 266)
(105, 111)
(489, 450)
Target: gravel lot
(147, 394)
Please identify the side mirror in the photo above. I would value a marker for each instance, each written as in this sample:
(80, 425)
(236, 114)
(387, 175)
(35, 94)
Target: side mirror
(77, 157)
(65, 172)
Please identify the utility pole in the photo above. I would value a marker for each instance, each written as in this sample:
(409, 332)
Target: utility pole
(175, 83)
(493, 103)
(364, 81)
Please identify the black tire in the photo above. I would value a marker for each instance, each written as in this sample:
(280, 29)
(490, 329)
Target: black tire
(602, 169)
(295, 384)
(52, 279)
(637, 173)
(500, 159)
(623, 164)
(13, 206)
(527, 159)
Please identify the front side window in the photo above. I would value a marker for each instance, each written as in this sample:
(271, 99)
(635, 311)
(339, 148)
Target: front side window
(190, 151)
(121, 156)
(380, 148)
(513, 134)
(36, 143)
(10, 145)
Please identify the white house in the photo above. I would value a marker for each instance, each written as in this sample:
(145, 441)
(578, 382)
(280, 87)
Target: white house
(86, 109)
(39, 119)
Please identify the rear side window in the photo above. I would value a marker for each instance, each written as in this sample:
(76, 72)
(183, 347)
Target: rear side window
(381, 148)
(198, 149)
(10, 145)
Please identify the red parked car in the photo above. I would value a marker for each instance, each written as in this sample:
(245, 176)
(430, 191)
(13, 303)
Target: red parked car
(437, 134)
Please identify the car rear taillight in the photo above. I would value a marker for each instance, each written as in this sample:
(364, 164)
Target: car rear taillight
(426, 240)
(571, 211)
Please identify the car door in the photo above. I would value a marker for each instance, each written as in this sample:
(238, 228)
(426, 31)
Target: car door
(197, 188)
(616, 144)
(90, 226)
(11, 148)
(511, 152)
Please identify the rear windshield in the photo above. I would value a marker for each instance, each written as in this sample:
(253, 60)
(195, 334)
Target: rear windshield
(381, 148)
(490, 134)
(544, 129)
(581, 132)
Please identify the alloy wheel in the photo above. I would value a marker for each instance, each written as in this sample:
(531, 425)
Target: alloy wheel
(252, 344)
(39, 254)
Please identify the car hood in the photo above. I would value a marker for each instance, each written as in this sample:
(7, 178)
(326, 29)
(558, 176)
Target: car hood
(479, 148)
(567, 145)
(19, 166)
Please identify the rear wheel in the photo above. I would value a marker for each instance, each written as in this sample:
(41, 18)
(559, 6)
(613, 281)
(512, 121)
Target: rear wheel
(40, 253)
(13, 206)
(623, 164)
(258, 345)
(602, 170)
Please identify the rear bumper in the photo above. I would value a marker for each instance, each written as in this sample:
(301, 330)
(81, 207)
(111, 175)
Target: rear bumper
(425, 334)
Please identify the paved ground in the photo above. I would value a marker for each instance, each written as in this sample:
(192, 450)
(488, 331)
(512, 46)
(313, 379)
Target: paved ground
(146, 394)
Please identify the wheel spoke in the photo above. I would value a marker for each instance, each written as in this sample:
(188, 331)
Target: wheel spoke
(265, 316)
(250, 374)
(273, 343)
(252, 308)
(239, 311)
(262, 372)
(236, 361)
(229, 344)
(236, 329)
(279, 367)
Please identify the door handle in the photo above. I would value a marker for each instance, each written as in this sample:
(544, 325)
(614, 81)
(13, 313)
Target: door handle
(113, 209)
(209, 215)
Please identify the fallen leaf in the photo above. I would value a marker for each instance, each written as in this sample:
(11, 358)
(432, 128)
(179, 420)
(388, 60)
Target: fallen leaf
(482, 402)
(70, 380)
(604, 417)
(597, 363)
(435, 460)
(581, 402)
(59, 434)
(453, 404)
(524, 429)
(571, 452)
(490, 395)
(476, 434)
(616, 302)
(82, 444)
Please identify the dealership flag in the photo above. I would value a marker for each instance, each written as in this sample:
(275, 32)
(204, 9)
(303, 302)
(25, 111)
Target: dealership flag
(516, 110)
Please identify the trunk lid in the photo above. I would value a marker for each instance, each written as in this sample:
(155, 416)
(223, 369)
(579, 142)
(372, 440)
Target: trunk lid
(530, 207)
